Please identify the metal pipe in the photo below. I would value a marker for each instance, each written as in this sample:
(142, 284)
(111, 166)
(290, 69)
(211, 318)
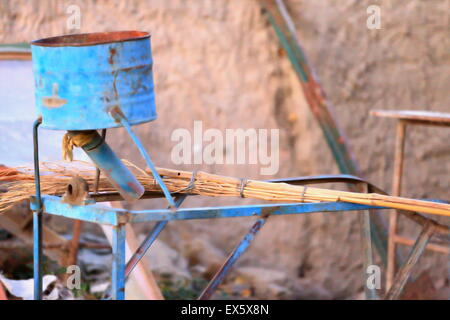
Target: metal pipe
(97, 170)
(231, 260)
(115, 171)
(37, 219)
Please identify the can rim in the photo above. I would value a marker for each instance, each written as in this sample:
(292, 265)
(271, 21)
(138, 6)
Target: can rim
(90, 39)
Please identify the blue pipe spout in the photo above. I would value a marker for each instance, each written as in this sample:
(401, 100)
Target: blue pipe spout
(110, 165)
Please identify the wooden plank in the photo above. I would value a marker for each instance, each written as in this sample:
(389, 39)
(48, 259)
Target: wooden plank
(414, 115)
(19, 223)
(431, 246)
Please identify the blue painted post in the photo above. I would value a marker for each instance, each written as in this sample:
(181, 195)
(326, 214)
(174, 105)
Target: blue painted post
(37, 254)
(118, 265)
(37, 219)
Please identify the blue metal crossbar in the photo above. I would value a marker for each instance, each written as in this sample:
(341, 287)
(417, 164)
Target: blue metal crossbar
(98, 213)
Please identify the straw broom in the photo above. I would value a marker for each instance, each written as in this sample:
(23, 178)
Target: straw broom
(55, 176)
(209, 184)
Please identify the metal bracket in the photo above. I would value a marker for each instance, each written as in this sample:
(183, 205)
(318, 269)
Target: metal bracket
(120, 117)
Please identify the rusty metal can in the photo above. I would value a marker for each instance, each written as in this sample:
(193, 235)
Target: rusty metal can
(79, 78)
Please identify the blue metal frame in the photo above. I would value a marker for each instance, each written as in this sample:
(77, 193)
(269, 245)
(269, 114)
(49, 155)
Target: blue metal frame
(117, 217)
(98, 213)
(90, 213)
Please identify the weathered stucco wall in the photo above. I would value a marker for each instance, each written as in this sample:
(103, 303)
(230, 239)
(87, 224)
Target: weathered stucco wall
(220, 62)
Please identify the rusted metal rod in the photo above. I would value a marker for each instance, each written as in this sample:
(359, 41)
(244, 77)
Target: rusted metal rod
(320, 106)
(405, 271)
(97, 170)
(441, 229)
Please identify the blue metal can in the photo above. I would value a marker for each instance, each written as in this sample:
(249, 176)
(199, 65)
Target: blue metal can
(79, 78)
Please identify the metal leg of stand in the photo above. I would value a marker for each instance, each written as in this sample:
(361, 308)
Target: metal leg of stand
(37, 220)
(118, 266)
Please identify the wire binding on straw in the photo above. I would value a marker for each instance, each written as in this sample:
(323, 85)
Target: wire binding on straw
(242, 186)
(191, 184)
(302, 198)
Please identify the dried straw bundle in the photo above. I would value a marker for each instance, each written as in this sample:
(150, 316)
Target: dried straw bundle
(55, 176)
